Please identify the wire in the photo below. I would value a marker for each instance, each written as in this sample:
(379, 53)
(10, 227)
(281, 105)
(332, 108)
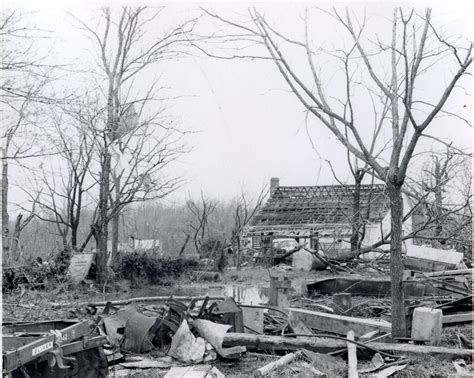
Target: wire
(265, 307)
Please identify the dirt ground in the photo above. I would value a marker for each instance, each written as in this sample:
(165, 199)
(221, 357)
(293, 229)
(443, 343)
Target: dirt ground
(30, 305)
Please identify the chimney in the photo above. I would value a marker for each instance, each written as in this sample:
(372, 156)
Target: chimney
(274, 184)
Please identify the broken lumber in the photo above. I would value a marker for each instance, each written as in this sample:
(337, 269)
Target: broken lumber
(326, 344)
(339, 323)
(285, 360)
(462, 317)
(456, 272)
(161, 298)
(351, 356)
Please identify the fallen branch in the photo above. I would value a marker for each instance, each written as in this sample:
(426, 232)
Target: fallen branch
(288, 254)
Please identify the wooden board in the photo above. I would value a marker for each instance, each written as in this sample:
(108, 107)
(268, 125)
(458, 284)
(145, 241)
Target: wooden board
(464, 317)
(253, 319)
(338, 323)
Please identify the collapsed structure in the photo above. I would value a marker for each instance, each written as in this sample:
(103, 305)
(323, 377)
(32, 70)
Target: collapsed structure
(323, 217)
(320, 216)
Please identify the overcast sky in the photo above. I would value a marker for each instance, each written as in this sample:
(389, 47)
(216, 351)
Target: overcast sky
(247, 126)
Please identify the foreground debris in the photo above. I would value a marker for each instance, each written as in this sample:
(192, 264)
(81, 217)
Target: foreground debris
(342, 334)
(351, 356)
(267, 369)
(338, 323)
(49, 348)
(327, 344)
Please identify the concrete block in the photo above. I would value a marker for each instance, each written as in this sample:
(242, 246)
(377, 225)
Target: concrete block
(427, 324)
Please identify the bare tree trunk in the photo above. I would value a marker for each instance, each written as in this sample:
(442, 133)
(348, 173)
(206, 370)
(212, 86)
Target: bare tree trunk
(115, 221)
(237, 264)
(396, 262)
(5, 217)
(188, 237)
(114, 236)
(438, 211)
(74, 227)
(356, 215)
(15, 239)
(102, 232)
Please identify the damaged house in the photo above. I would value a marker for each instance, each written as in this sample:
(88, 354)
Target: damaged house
(321, 217)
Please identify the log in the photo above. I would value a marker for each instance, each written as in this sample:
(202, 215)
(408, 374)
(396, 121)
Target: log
(325, 345)
(162, 298)
(339, 323)
(285, 360)
(351, 356)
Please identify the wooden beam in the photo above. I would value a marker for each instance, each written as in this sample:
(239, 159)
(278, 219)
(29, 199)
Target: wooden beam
(325, 345)
(351, 356)
(463, 317)
(456, 272)
(339, 323)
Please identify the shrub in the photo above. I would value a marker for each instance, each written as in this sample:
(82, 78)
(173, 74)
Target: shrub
(153, 269)
(36, 273)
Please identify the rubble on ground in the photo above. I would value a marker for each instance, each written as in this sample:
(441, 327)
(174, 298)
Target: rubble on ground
(341, 329)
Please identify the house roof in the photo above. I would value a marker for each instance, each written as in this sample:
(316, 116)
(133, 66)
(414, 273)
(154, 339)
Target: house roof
(320, 205)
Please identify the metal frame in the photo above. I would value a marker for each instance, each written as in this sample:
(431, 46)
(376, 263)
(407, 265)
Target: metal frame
(43, 345)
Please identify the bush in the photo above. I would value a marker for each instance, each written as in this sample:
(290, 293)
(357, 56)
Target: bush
(36, 273)
(155, 270)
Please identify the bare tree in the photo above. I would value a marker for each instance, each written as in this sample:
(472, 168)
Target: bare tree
(434, 180)
(414, 49)
(60, 198)
(443, 197)
(139, 160)
(198, 227)
(245, 210)
(23, 78)
(125, 48)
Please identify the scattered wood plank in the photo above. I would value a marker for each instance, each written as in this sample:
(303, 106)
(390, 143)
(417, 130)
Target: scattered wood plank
(324, 345)
(352, 356)
(456, 272)
(161, 298)
(285, 360)
(463, 317)
(339, 323)
(299, 327)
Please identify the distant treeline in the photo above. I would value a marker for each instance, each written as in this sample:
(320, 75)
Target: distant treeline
(167, 223)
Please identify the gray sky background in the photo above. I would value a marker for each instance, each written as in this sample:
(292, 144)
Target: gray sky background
(247, 126)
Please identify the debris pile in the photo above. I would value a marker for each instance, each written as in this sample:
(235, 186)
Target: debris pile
(180, 334)
(342, 329)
